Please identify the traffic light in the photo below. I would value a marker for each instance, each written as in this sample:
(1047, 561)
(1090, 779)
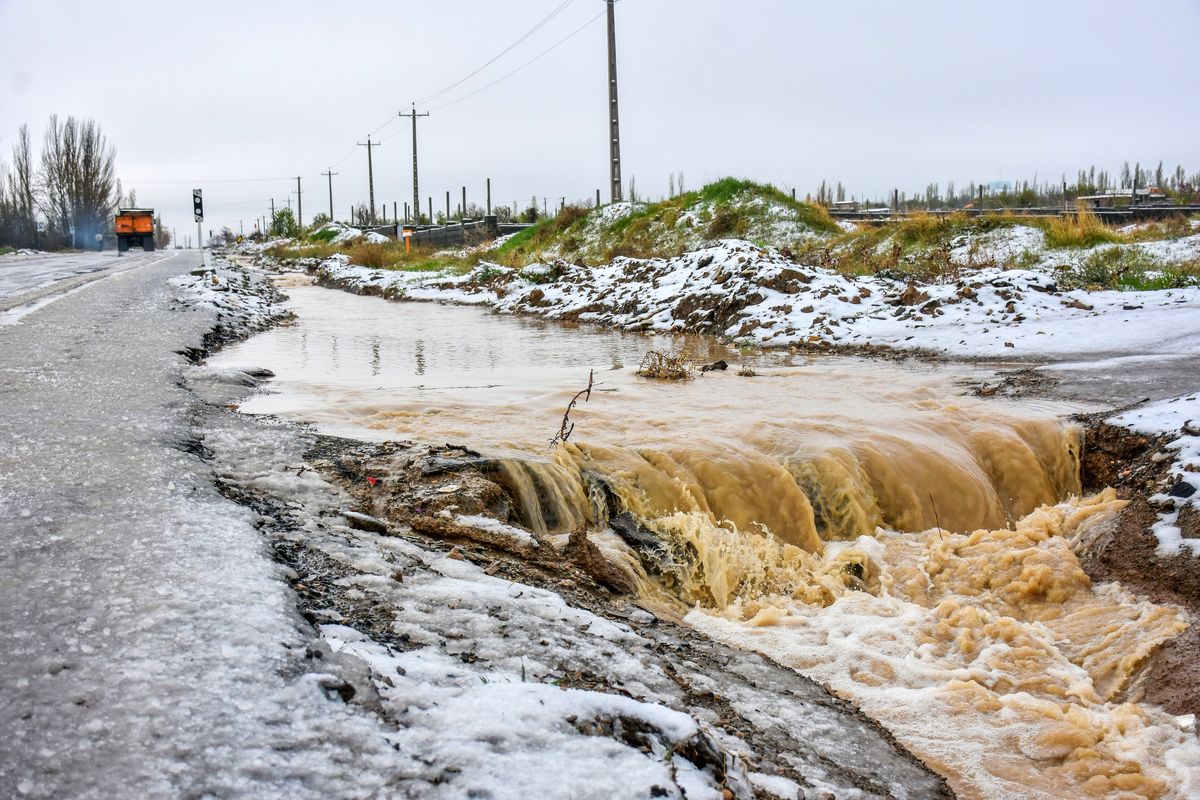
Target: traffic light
(197, 205)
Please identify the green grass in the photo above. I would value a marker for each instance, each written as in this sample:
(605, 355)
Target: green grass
(729, 207)
(4, 250)
(323, 235)
(1129, 269)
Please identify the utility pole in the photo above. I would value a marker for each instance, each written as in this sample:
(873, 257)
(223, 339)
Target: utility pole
(430, 210)
(370, 175)
(489, 197)
(614, 133)
(299, 205)
(329, 173)
(447, 220)
(395, 216)
(416, 187)
(464, 205)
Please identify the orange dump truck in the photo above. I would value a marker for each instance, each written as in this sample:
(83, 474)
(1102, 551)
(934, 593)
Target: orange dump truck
(134, 226)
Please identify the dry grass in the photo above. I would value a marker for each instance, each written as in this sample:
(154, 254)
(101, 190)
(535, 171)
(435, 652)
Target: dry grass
(378, 255)
(1082, 229)
(666, 366)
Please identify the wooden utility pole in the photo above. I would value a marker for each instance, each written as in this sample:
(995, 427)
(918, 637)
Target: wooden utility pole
(614, 132)
(416, 187)
(329, 173)
(370, 175)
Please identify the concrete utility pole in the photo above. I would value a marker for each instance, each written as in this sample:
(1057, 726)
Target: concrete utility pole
(614, 131)
(416, 187)
(299, 205)
(447, 220)
(370, 175)
(329, 173)
(489, 197)
(430, 210)
(464, 204)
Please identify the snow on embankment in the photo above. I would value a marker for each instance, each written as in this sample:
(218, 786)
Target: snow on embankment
(1179, 418)
(757, 295)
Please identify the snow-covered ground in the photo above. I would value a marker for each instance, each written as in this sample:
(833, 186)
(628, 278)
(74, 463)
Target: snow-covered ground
(1178, 418)
(757, 295)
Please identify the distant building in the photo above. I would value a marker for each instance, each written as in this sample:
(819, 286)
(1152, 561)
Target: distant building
(1119, 198)
(846, 205)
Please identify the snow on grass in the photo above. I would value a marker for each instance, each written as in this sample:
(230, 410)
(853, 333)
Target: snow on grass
(1179, 418)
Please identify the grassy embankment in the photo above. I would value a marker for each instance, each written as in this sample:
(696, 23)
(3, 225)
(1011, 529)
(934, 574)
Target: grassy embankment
(726, 209)
(4, 250)
(917, 248)
(1091, 254)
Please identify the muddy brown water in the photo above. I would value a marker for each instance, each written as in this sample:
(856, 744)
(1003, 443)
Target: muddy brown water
(864, 522)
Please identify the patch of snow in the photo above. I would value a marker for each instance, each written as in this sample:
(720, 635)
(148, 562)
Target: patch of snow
(1179, 418)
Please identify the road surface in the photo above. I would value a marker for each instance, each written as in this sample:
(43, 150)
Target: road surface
(150, 648)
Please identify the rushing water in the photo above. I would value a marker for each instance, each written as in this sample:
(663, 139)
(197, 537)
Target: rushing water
(862, 521)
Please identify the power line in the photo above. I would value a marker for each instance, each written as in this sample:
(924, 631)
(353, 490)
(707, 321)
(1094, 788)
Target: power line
(205, 181)
(523, 66)
(495, 58)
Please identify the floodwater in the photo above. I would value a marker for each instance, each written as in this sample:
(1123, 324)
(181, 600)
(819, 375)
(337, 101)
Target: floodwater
(865, 522)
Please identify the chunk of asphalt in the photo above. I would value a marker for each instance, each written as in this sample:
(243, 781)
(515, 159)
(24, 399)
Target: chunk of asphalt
(365, 522)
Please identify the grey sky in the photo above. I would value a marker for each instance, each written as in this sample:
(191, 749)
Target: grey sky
(875, 94)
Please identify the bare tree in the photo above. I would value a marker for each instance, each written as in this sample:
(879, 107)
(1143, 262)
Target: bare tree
(76, 177)
(18, 190)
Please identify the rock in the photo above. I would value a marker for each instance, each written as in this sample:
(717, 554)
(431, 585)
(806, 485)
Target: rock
(1181, 489)
(715, 366)
(912, 296)
(584, 552)
(259, 372)
(365, 522)
(1009, 344)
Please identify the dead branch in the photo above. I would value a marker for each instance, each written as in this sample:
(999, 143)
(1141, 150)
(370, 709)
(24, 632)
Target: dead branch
(666, 366)
(564, 432)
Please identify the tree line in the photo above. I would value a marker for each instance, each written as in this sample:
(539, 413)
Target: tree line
(71, 183)
(1177, 186)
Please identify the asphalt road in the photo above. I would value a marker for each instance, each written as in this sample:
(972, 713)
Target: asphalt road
(149, 647)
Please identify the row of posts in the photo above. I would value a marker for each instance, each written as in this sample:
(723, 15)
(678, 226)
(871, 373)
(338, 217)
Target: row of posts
(461, 211)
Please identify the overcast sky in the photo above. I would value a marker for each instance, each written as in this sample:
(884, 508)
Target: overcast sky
(238, 97)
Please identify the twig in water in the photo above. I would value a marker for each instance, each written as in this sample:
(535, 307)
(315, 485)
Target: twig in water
(564, 432)
(936, 521)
